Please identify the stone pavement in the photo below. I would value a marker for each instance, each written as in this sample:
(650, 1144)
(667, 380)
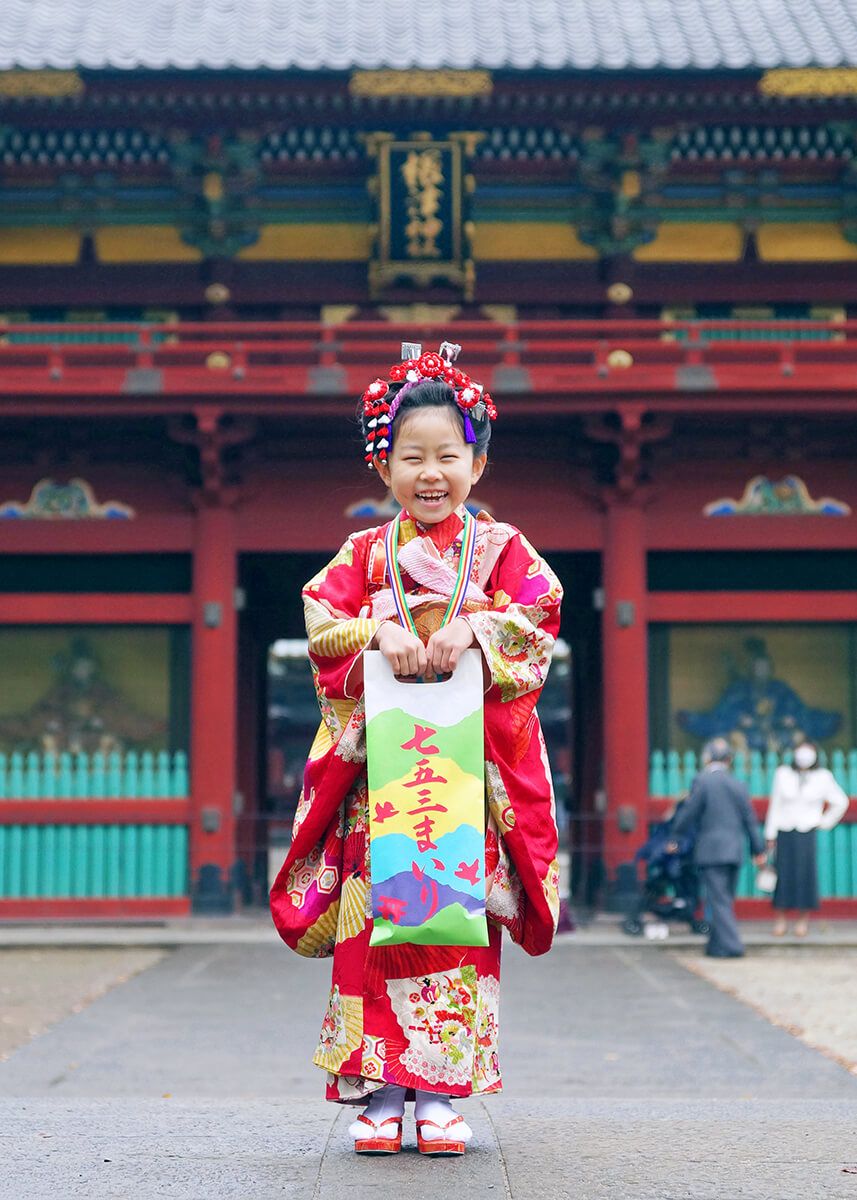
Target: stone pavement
(626, 1076)
(254, 927)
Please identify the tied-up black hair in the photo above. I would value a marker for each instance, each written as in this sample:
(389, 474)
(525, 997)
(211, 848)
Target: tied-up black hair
(433, 393)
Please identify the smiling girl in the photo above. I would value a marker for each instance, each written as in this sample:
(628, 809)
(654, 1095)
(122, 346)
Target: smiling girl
(409, 1019)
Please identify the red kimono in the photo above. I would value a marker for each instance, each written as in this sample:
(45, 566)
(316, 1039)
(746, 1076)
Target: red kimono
(422, 1017)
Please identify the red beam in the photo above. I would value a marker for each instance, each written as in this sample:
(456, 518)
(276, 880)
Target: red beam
(85, 608)
(696, 532)
(82, 811)
(112, 909)
(566, 364)
(754, 909)
(752, 606)
(659, 806)
(149, 533)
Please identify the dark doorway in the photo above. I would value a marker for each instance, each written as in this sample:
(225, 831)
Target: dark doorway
(574, 736)
(278, 716)
(277, 713)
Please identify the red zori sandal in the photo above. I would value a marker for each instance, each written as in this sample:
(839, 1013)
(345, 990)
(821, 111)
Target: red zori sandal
(440, 1146)
(373, 1143)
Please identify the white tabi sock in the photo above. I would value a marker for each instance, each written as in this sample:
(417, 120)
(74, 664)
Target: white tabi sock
(439, 1110)
(385, 1105)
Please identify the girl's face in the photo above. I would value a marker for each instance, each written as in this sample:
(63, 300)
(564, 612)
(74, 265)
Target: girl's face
(431, 468)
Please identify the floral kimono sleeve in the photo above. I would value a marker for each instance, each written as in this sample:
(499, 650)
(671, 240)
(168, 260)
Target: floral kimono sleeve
(337, 633)
(517, 635)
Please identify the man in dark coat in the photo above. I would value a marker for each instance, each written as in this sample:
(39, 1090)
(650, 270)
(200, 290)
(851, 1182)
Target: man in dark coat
(720, 813)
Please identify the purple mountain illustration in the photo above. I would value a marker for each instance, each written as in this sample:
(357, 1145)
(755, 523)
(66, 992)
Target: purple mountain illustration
(407, 899)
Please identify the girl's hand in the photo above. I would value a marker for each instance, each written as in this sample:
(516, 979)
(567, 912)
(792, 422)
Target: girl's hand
(405, 653)
(444, 647)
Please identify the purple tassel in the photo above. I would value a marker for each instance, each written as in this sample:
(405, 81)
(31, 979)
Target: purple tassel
(469, 435)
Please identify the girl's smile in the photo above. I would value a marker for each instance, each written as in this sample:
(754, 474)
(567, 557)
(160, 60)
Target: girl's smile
(431, 469)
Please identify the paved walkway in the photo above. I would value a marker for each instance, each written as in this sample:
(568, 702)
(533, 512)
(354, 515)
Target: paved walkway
(626, 1076)
(255, 928)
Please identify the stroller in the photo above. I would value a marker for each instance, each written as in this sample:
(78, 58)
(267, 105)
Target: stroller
(670, 891)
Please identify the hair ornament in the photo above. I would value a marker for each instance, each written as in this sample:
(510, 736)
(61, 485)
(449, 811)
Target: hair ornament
(376, 411)
(415, 367)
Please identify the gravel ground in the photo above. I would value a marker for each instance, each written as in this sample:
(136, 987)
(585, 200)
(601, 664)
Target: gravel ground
(40, 987)
(808, 992)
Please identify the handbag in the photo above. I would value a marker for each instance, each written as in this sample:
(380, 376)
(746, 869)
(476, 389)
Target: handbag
(766, 879)
(425, 758)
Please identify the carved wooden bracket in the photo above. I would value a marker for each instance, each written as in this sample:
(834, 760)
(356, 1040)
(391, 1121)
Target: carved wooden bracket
(215, 436)
(630, 434)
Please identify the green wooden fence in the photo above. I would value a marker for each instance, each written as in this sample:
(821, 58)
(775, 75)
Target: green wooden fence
(837, 865)
(671, 773)
(130, 776)
(93, 861)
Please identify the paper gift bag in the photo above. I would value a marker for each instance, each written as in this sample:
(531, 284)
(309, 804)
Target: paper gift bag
(425, 752)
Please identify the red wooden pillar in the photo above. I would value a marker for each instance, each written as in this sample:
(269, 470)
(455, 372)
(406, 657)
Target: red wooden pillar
(626, 701)
(213, 712)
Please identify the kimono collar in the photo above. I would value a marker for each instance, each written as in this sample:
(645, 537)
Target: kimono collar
(443, 534)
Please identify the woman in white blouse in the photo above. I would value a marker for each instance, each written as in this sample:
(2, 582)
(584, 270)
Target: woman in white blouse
(804, 797)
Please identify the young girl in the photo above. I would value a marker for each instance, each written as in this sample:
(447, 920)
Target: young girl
(409, 1019)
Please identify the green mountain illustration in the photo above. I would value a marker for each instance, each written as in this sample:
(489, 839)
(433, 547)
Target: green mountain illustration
(452, 926)
(462, 742)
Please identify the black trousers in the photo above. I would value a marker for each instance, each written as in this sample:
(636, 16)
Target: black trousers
(720, 883)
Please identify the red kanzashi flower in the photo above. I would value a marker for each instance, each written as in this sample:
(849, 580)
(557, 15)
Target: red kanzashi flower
(430, 364)
(460, 379)
(376, 406)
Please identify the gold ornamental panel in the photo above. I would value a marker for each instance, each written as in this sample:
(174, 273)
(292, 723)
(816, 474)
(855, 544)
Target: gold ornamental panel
(21, 85)
(809, 81)
(421, 83)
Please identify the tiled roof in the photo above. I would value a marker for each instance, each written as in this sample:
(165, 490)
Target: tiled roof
(494, 34)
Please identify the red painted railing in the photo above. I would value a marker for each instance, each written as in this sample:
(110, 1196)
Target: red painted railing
(570, 362)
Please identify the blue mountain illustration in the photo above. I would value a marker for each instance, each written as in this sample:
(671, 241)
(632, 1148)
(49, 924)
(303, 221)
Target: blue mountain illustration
(464, 845)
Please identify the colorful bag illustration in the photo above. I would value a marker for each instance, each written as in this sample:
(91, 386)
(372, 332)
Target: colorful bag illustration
(425, 752)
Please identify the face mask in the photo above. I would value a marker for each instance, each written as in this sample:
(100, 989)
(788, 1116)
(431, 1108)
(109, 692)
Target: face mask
(805, 757)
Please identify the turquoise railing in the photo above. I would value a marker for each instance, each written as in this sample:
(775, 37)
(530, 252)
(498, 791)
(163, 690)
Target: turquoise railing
(20, 334)
(769, 332)
(92, 861)
(671, 773)
(131, 776)
(837, 866)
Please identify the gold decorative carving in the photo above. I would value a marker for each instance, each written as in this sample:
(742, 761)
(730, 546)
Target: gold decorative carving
(338, 314)
(503, 314)
(217, 293)
(620, 293)
(421, 83)
(24, 84)
(809, 81)
(218, 360)
(420, 314)
(212, 187)
(620, 360)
